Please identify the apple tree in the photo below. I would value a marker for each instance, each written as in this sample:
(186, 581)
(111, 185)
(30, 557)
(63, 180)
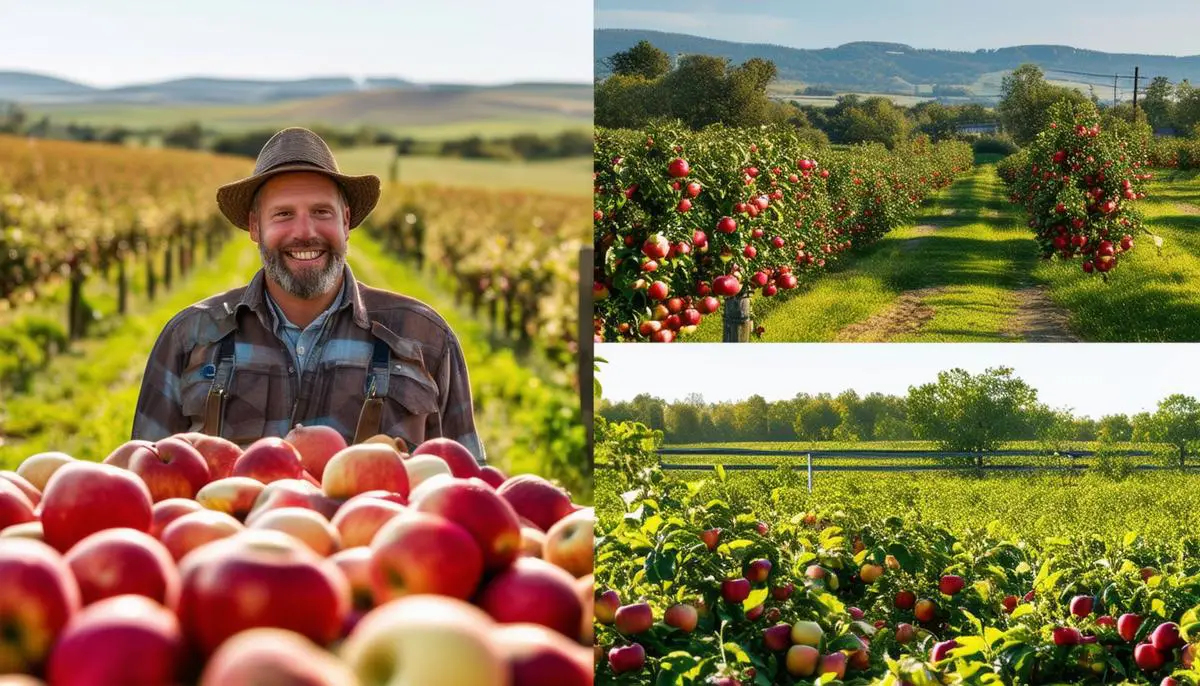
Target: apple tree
(1177, 421)
(973, 413)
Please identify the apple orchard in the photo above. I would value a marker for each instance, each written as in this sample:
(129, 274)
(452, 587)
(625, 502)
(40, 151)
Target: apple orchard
(739, 579)
(297, 560)
(686, 221)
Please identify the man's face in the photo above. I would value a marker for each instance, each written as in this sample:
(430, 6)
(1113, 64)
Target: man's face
(301, 225)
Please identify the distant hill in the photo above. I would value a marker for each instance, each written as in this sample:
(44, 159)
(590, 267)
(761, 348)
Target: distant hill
(893, 67)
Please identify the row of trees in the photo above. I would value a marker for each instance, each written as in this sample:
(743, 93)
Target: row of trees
(193, 136)
(959, 411)
(702, 89)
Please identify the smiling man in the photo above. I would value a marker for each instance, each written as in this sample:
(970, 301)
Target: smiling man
(305, 342)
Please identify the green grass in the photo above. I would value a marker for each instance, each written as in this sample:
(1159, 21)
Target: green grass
(1149, 296)
(570, 176)
(978, 261)
(980, 256)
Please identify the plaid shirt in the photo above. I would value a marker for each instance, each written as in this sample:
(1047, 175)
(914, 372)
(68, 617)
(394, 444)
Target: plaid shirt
(429, 393)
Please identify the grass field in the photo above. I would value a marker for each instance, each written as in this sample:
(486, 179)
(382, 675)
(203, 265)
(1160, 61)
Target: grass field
(967, 270)
(566, 177)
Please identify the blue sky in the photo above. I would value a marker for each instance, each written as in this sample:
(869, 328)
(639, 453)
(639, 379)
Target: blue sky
(1161, 27)
(1093, 379)
(117, 42)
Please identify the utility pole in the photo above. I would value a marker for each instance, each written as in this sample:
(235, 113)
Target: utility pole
(1135, 91)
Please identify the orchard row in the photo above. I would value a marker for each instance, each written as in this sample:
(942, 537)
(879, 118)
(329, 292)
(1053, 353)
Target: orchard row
(684, 220)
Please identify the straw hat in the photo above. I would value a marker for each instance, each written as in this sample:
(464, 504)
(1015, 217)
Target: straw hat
(290, 150)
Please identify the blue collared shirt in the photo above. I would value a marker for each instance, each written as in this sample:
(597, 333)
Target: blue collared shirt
(302, 343)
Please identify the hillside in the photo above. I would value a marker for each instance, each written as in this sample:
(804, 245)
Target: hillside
(893, 67)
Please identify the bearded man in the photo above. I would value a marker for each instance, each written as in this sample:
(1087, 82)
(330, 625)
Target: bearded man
(304, 342)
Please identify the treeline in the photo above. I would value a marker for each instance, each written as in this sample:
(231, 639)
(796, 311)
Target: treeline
(193, 136)
(700, 90)
(959, 411)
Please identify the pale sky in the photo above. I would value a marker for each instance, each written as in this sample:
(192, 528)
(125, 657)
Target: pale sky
(1092, 379)
(1160, 27)
(121, 42)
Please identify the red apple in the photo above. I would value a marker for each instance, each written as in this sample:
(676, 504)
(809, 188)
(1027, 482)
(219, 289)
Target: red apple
(117, 562)
(833, 662)
(316, 445)
(533, 591)
(355, 564)
(1128, 625)
(293, 493)
(494, 477)
(38, 594)
(951, 584)
(220, 453)
(905, 632)
(1165, 637)
(254, 579)
(634, 619)
(426, 640)
(630, 658)
(533, 542)
(269, 459)
(171, 468)
(473, 504)
(607, 603)
(735, 590)
(538, 656)
(196, 529)
(783, 592)
(126, 639)
(1148, 658)
(15, 507)
(167, 511)
(462, 463)
(570, 542)
(925, 610)
(710, 538)
(536, 499)
(365, 467)
(361, 518)
(905, 600)
(777, 638)
(1081, 606)
(275, 656)
(305, 525)
(758, 571)
(1066, 636)
(85, 497)
(25, 530)
(942, 649)
(418, 552)
(37, 469)
(22, 484)
(124, 452)
(682, 616)
(233, 495)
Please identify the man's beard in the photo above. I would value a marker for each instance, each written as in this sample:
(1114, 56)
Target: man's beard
(306, 283)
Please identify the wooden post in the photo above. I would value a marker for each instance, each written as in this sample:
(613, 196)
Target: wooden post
(151, 281)
(738, 322)
(168, 263)
(1135, 89)
(122, 285)
(586, 353)
(75, 303)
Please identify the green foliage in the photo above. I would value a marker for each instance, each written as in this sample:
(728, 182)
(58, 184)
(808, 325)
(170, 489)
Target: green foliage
(1025, 105)
(998, 145)
(965, 412)
(642, 60)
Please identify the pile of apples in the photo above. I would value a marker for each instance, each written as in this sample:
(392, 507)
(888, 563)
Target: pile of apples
(296, 560)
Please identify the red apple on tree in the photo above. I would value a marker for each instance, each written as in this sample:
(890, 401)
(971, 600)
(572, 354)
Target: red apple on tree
(634, 619)
(682, 616)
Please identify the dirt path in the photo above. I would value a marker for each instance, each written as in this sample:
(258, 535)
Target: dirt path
(1038, 319)
(908, 314)
(1187, 208)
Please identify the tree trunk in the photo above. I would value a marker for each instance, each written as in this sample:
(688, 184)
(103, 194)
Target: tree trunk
(738, 322)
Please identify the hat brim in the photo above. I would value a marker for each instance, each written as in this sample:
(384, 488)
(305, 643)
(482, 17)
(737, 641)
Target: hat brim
(235, 199)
